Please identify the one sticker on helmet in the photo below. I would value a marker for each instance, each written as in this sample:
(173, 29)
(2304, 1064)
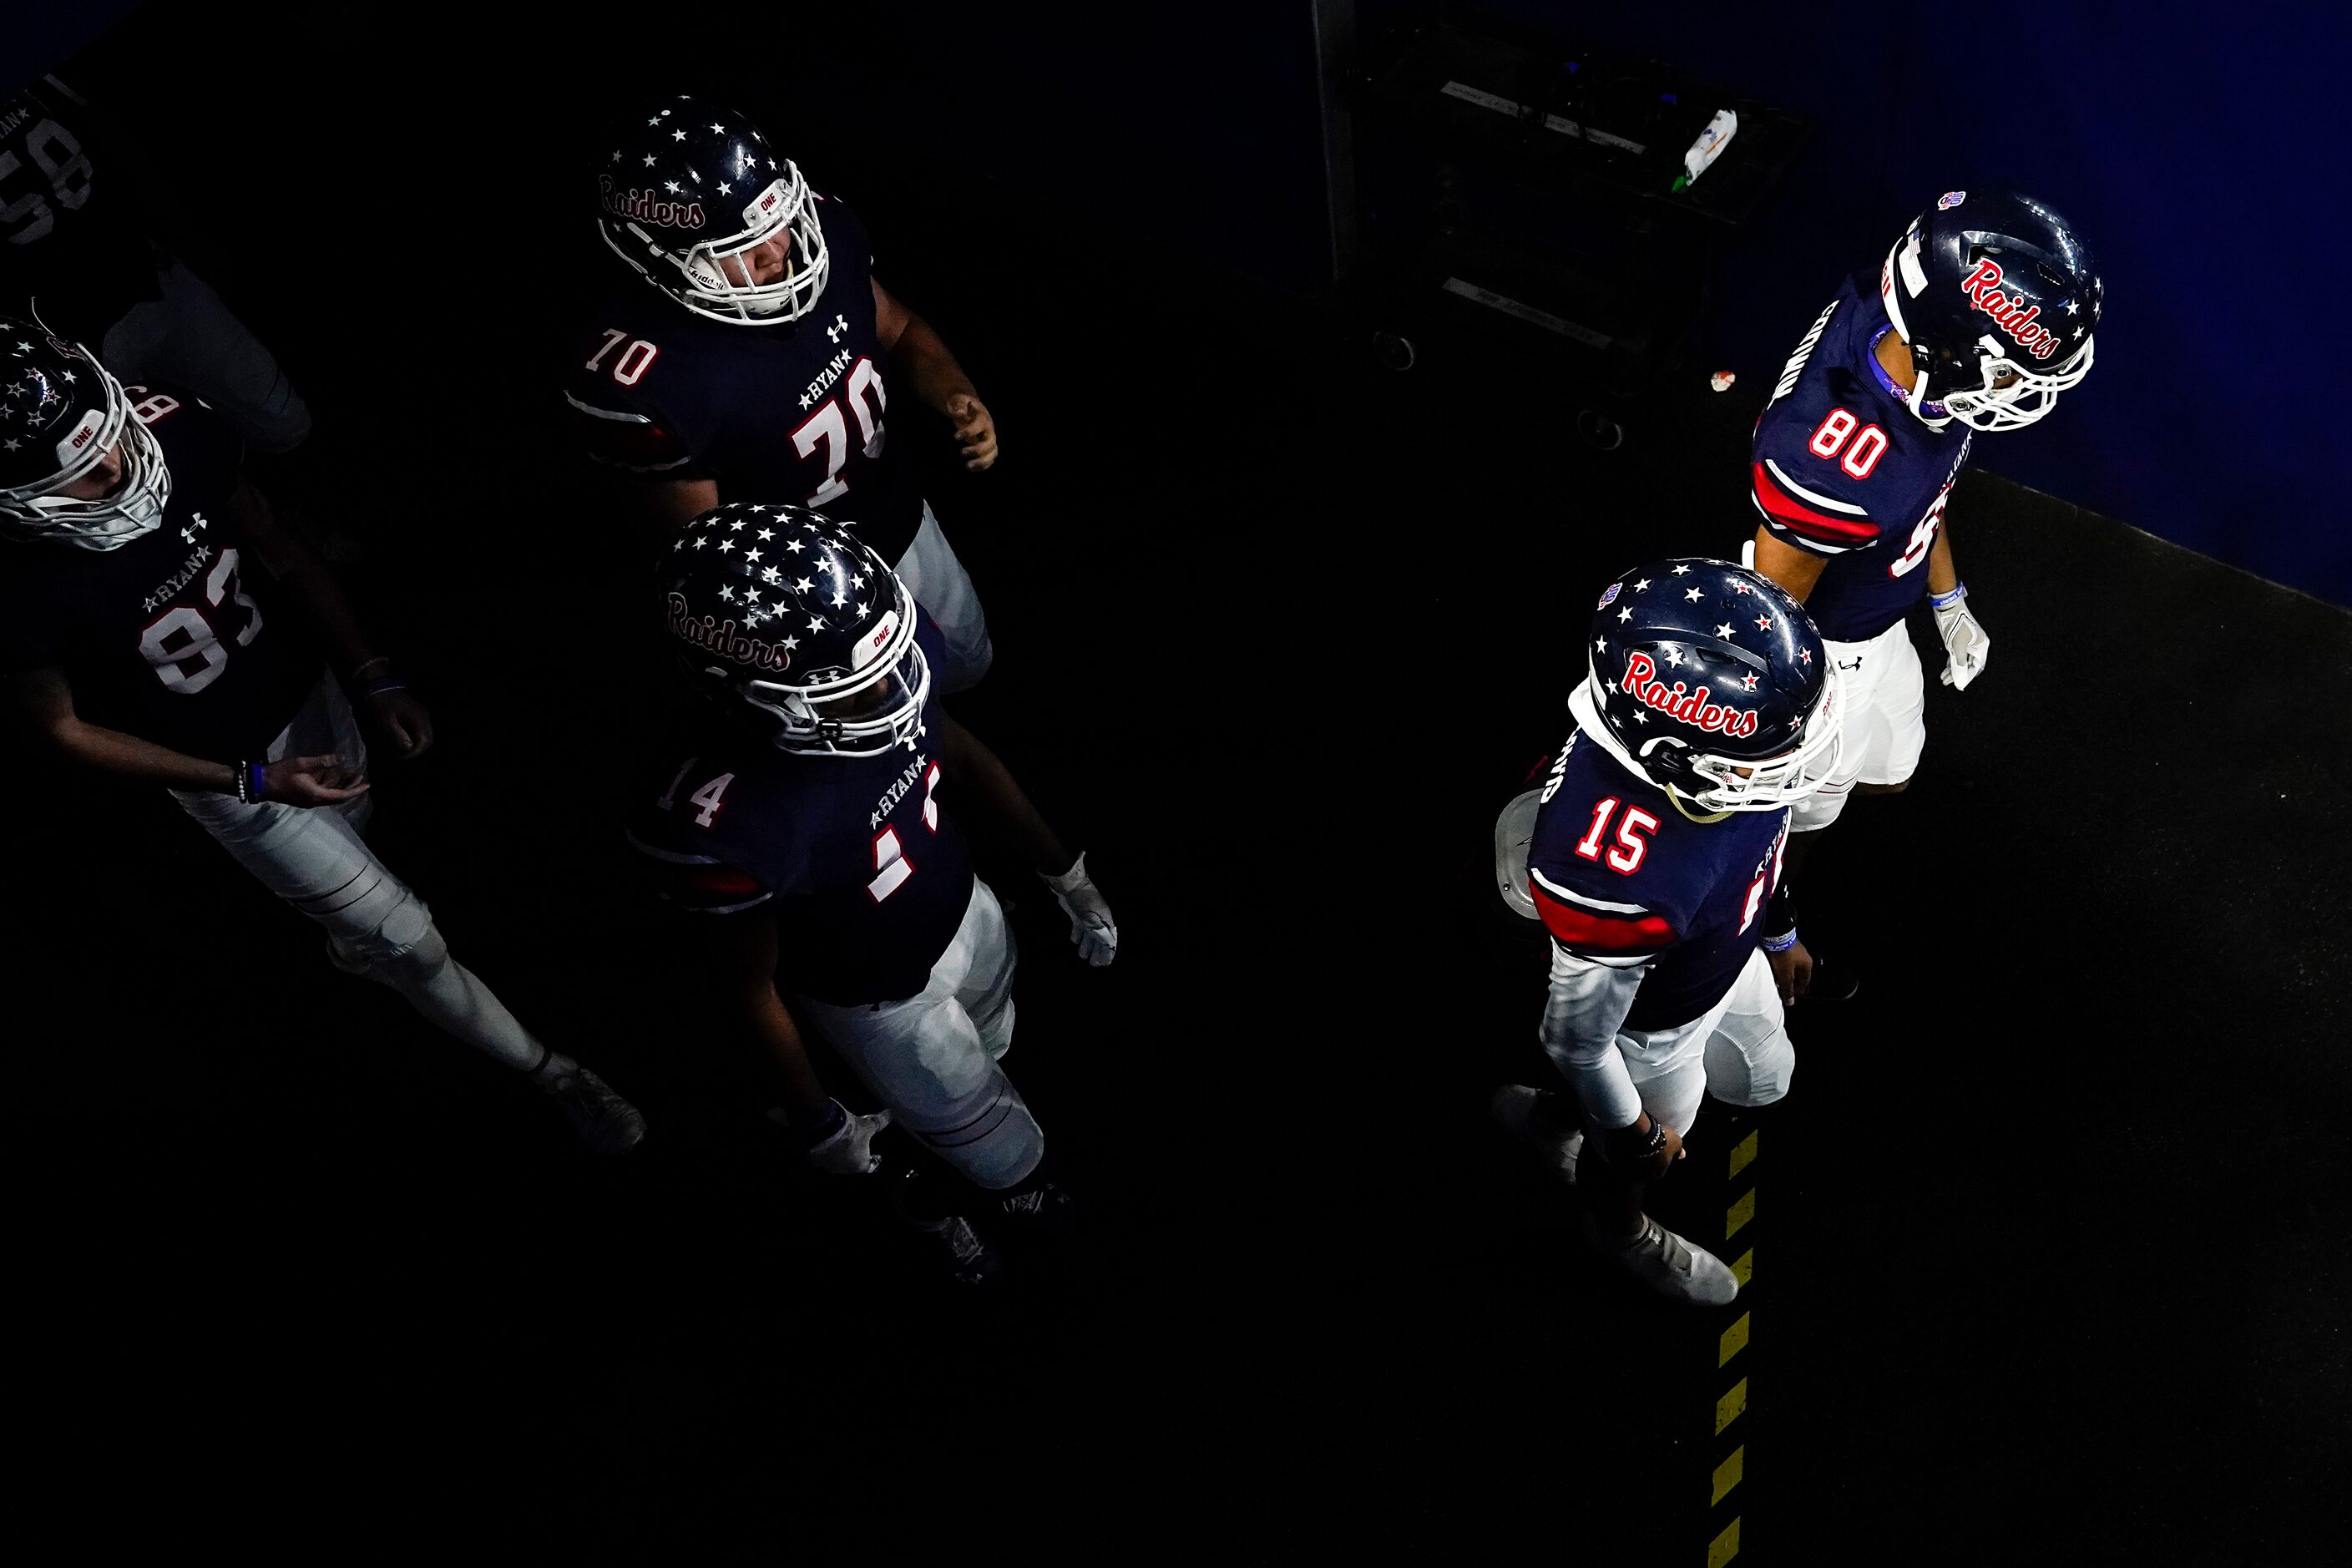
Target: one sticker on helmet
(878, 637)
(81, 435)
(1950, 200)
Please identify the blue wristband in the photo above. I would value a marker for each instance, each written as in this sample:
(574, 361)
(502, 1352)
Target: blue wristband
(1946, 601)
(1782, 943)
(257, 780)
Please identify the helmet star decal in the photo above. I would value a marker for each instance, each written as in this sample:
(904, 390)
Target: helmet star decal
(1719, 722)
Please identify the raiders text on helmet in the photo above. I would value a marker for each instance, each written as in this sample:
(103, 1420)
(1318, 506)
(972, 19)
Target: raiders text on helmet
(787, 618)
(689, 185)
(60, 415)
(1710, 681)
(1998, 298)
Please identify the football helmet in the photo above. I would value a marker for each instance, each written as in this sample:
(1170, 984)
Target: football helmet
(1997, 298)
(1710, 681)
(788, 620)
(60, 413)
(690, 184)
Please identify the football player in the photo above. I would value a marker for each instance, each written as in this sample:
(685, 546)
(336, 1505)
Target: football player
(800, 802)
(1709, 708)
(1985, 313)
(145, 592)
(753, 354)
(74, 220)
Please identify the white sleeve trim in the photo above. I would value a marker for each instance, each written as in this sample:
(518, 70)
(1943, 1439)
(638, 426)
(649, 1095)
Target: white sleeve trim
(595, 413)
(1558, 891)
(674, 859)
(1794, 488)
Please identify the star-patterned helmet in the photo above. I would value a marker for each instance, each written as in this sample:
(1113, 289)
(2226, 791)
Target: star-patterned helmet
(687, 184)
(788, 619)
(1710, 681)
(60, 413)
(1997, 298)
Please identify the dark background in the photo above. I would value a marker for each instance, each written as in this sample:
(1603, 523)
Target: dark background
(2048, 1242)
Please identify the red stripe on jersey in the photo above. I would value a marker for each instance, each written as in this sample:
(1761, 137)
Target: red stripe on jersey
(708, 887)
(1785, 509)
(1596, 930)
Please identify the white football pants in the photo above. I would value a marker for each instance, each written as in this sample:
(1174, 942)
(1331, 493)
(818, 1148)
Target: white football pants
(314, 859)
(1885, 723)
(932, 1058)
(940, 585)
(1738, 1051)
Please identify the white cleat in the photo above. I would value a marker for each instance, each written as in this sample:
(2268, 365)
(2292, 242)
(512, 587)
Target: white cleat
(1670, 1266)
(1529, 1116)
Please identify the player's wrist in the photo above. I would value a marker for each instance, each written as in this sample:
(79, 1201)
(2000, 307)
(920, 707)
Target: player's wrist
(249, 781)
(1945, 601)
(1633, 1143)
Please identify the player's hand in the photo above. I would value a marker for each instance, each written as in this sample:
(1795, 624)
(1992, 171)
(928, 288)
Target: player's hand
(1964, 642)
(1092, 929)
(403, 719)
(975, 430)
(312, 781)
(1656, 1167)
(848, 1149)
(1793, 971)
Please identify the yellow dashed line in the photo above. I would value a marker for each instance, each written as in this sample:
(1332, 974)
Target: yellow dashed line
(1727, 1474)
(1741, 1152)
(1724, 1547)
(1739, 1214)
(1744, 1270)
(1734, 1340)
(1727, 1408)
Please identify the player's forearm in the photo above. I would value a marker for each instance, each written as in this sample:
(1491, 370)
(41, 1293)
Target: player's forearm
(987, 783)
(127, 756)
(305, 577)
(778, 1037)
(921, 358)
(1943, 576)
(1585, 1007)
(1794, 569)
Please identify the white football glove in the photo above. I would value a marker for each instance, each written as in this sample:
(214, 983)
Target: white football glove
(1964, 641)
(1091, 927)
(848, 1149)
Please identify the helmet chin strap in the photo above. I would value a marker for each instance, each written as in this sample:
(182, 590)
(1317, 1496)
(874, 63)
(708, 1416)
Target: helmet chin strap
(1675, 799)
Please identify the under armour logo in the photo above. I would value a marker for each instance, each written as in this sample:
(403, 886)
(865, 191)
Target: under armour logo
(840, 325)
(1855, 665)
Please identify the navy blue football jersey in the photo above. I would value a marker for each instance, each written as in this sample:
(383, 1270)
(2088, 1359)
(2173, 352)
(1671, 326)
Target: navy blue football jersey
(866, 877)
(788, 412)
(1843, 468)
(1621, 877)
(181, 637)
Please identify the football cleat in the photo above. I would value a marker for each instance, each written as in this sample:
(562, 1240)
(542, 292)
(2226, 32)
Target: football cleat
(1532, 1117)
(605, 1123)
(1667, 1265)
(1047, 1211)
